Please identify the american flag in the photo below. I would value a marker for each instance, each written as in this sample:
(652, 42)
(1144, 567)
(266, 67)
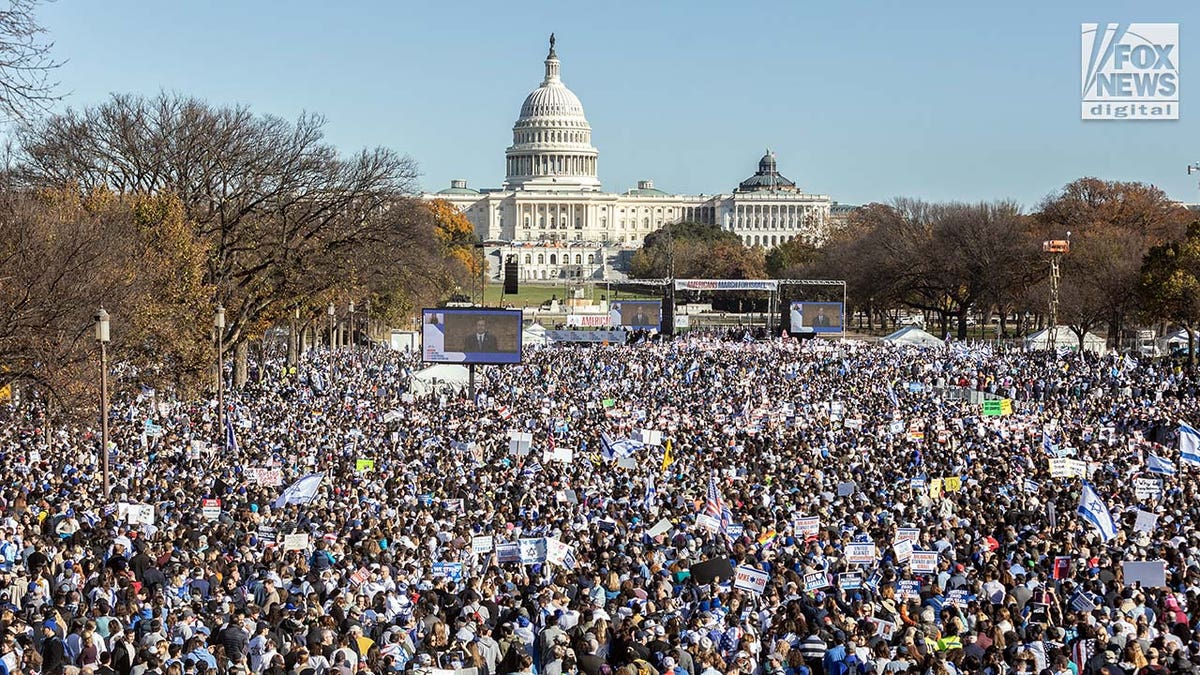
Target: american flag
(715, 506)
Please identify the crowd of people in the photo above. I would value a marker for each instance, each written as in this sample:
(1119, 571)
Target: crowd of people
(686, 507)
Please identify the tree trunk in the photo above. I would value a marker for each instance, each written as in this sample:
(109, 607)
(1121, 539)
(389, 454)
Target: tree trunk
(944, 322)
(293, 345)
(1191, 347)
(241, 354)
(962, 323)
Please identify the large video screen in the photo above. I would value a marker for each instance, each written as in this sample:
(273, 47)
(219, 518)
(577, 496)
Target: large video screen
(815, 317)
(469, 335)
(643, 314)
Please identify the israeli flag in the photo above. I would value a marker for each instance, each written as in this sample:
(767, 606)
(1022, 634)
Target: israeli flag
(231, 443)
(1093, 510)
(622, 448)
(1189, 444)
(691, 373)
(1048, 445)
(302, 491)
(891, 391)
(1156, 464)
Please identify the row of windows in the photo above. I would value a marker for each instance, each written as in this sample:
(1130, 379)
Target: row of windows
(774, 240)
(566, 258)
(552, 137)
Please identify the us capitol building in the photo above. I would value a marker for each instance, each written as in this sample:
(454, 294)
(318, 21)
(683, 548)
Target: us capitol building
(553, 217)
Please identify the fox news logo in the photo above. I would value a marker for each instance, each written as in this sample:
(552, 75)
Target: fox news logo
(1131, 71)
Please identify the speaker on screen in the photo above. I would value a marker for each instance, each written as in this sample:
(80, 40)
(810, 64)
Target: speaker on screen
(510, 275)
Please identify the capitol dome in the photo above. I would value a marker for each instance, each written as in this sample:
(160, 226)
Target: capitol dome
(552, 140)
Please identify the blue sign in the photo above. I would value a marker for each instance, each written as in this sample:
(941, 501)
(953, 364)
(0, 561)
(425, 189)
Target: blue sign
(451, 570)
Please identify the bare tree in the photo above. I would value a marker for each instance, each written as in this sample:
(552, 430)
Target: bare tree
(288, 221)
(26, 63)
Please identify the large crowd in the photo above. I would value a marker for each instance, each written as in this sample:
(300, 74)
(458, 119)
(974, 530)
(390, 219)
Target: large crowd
(687, 507)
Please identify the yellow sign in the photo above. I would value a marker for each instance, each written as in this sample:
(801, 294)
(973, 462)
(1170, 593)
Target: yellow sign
(362, 465)
(6, 394)
(935, 488)
(952, 483)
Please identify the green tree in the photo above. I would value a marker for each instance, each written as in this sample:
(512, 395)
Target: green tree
(790, 258)
(696, 250)
(1170, 284)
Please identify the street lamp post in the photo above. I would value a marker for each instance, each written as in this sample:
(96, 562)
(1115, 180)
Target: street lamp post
(102, 337)
(331, 312)
(351, 340)
(219, 325)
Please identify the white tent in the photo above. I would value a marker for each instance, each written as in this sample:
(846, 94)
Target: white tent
(1177, 339)
(1064, 337)
(434, 378)
(911, 335)
(534, 336)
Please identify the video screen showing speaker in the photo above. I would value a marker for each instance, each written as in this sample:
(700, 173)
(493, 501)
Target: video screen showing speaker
(469, 335)
(636, 314)
(815, 317)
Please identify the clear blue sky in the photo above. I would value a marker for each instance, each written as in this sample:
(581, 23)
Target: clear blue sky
(863, 101)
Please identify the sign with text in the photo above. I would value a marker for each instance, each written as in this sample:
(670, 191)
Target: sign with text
(750, 579)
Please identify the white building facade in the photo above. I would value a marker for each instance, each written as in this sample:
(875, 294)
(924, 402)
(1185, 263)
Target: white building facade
(551, 204)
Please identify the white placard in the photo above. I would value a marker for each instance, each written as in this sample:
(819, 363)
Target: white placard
(708, 522)
(483, 544)
(750, 579)
(808, 526)
(924, 562)
(904, 551)
(1146, 521)
(860, 554)
(140, 514)
(1150, 573)
(660, 528)
(295, 542)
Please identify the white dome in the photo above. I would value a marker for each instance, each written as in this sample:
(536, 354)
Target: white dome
(552, 140)
(552, 99)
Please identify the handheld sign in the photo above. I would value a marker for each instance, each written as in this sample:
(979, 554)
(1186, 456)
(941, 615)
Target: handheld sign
(750, 579)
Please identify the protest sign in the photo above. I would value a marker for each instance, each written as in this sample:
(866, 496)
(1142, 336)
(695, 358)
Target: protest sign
(711, 570)
(959, 597)
(295, 542)
(532, 550)
(1146, 521)
(846, 488)
(860, 554)
(808, 526)
(850, 581)
(1148, 573)
(362, 465)
(1147, 488)
(708, 522)
(924, 562)
(912, 534)
(508, 552)
(908, 588)
(140, 514)
(750, 579)
(482, 544)
(952, 483)
(210, 509)
(450, 570)
(883, 629)
(265, 476)
(660, 528)
(903, 550)
(815, 581)
(266, 535)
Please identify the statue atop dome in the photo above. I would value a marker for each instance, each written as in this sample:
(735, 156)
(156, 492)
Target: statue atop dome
(551, 54)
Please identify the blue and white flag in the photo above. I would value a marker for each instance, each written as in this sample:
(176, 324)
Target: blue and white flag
(891, 391)
(691, 373)
(1048, 445)
(1093, 510)
(651, 491)
(1189, 444)
(622, 448)
(1156, 464)
(302, 491)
